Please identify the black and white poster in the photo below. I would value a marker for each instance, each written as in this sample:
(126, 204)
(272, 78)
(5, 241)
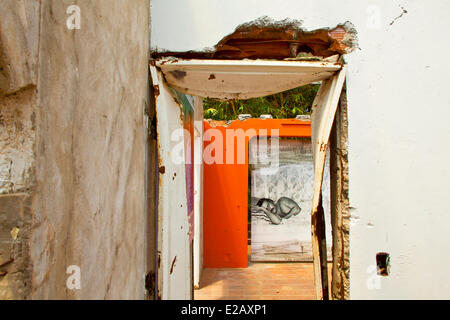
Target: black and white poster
(282, 177)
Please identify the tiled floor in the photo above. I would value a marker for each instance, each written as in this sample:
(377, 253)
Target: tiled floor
(260, 281)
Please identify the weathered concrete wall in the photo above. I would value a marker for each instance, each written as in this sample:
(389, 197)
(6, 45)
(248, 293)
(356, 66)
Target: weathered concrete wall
(19, 32)
(89, 208)
(398, 159)
(19, 21)
(72, 126)
(17, 137)
(19, 38)
(15, 275)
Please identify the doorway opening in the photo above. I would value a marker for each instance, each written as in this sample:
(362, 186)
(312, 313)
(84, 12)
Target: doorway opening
(288, 126)
(278, 247)
(219, 75)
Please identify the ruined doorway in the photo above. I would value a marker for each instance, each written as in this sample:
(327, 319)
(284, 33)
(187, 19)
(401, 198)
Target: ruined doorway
(203, 67)
(292, 57)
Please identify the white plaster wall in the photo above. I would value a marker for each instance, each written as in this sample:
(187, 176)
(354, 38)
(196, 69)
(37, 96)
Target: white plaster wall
(398, 105)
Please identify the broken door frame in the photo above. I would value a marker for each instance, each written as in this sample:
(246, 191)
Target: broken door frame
(180, 75)
(322, 117)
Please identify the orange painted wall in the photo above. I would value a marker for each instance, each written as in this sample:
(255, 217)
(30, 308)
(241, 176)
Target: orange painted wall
(225, 194)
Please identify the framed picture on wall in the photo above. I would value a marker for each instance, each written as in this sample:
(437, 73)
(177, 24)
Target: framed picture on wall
(281, 189)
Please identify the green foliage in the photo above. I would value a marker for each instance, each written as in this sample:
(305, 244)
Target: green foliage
(287, 104)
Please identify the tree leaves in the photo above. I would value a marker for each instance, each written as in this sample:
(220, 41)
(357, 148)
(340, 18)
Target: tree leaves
(287, 104)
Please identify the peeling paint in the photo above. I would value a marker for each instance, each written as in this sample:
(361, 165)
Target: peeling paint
(265, 38)
(170, 285)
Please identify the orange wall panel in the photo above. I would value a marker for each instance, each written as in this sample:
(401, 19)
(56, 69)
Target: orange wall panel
(225, 206)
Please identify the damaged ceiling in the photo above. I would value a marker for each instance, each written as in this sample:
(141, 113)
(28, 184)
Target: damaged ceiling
(264, 38)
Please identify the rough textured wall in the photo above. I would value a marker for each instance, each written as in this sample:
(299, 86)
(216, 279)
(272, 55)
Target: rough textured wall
(19, 31)
(19, 24)
(398, 160)
(17, 137)
(72, 148)
(89, 209)
(340, 217)
(19, 21)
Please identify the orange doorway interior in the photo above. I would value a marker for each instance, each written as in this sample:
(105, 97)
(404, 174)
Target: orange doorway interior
(225, 207)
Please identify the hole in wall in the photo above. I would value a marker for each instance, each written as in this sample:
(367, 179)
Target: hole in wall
(383, 263)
